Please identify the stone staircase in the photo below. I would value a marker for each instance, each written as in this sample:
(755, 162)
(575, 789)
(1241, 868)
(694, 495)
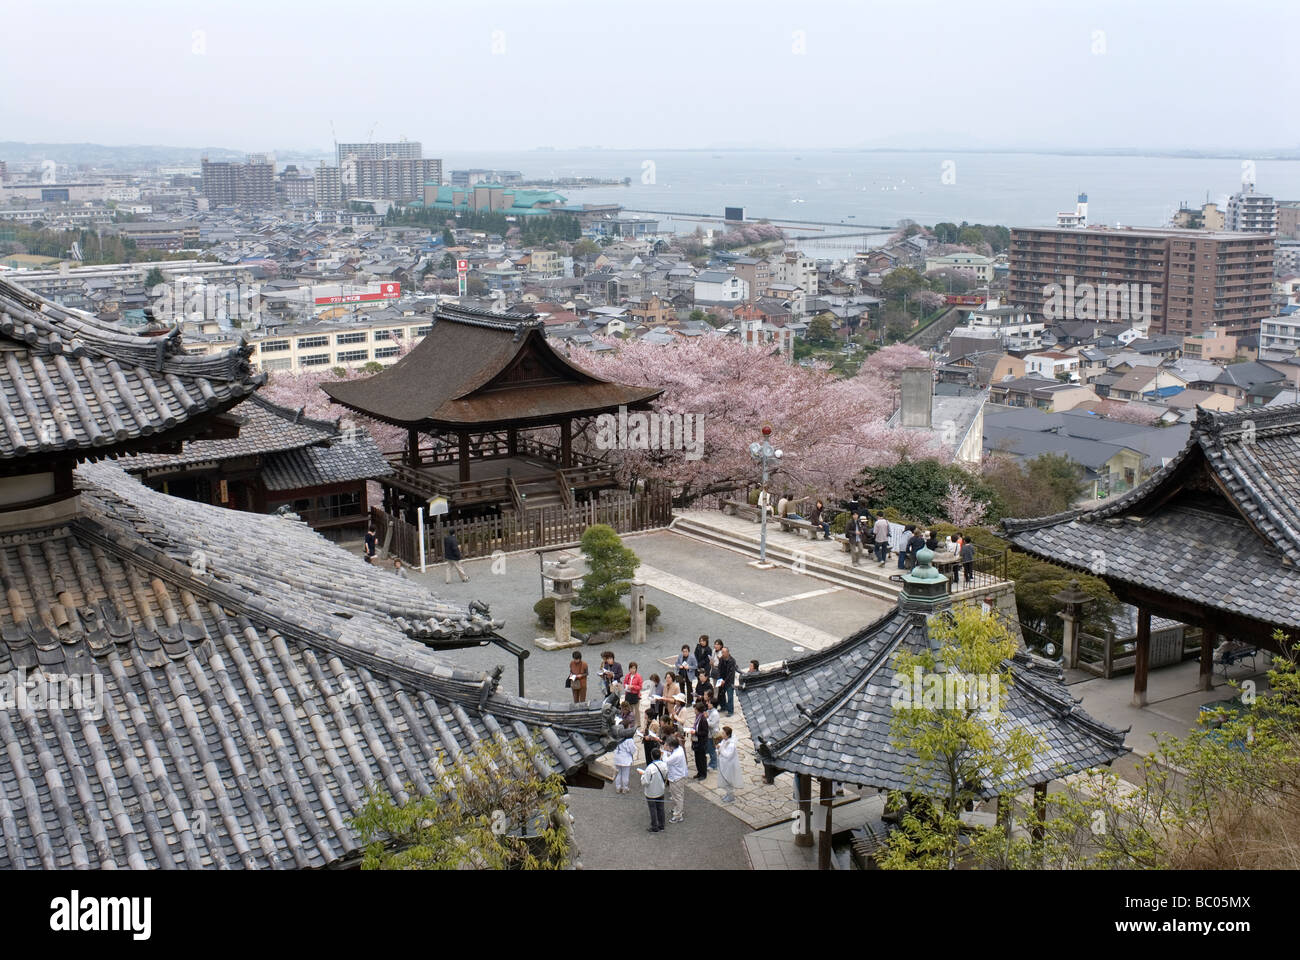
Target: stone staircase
(816, 558)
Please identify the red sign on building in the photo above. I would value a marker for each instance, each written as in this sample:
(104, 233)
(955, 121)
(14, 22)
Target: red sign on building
(462, 266)
(387, 291)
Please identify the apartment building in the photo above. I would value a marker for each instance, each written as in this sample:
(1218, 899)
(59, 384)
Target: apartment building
(389, 178)
(161, 236)
(1288, 219)
(797, 270)
(328, 183)
(376, 339)
(1280, 335)
(755, 272)
(239, 183)
(1251, 212)
(401, 150)
(1185, 281)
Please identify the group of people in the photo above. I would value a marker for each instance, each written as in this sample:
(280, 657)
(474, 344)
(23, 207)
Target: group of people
(682, 712)
(861, 530)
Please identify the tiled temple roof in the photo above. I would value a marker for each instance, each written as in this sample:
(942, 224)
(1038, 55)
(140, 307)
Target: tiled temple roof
(297, 451)
(1219, 524)
(74, 384)
(828, 714)
(256, 680)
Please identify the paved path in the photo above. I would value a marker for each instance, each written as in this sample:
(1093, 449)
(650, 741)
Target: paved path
(750, 614)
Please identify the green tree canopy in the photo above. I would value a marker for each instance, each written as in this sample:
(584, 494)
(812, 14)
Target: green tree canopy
(611, 567)
(499, 814)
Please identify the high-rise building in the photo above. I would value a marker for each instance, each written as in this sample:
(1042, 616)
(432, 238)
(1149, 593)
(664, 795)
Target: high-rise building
(329, 185)
(388, 179)
(402, 150)
(1166, 280)
(239, 183)
(1251, 212)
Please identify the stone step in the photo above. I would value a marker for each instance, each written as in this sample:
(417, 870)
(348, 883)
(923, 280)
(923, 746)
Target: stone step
(784, 549)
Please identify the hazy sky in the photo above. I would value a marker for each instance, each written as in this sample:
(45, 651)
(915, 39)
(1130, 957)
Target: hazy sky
(511, 74)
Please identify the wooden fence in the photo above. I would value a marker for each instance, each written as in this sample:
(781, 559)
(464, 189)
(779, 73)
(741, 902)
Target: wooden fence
(509, 531)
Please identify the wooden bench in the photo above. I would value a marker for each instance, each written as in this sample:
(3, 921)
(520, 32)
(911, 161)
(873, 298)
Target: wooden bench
(1233, 653)
(791, 525)
(738, 508)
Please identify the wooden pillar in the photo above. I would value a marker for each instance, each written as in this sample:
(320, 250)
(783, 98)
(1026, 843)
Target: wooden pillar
(1143, 658)
(566, 443)
(463, 438)
(413, 447)
(1209, 637)
(512, 441)
(827, 796)
(1040, 811)
(803, 783)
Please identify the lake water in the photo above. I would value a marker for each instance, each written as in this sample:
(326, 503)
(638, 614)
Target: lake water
(860, 187)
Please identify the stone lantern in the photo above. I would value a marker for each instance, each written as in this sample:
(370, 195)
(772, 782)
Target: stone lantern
(562, 585)
(1072, 598)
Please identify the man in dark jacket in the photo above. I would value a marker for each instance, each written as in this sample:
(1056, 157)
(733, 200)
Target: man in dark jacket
(968, 559)
(451, 552)
(916, 543)
(727, 674)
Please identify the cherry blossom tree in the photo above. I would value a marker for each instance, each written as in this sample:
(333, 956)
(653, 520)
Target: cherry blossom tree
(1127, 412)
(302, 390)
(827, 428)
(961, 509)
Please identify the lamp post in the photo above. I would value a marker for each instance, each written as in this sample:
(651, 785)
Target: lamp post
(765, 455)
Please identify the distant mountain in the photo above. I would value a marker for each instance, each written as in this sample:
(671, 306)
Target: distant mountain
(99, 155)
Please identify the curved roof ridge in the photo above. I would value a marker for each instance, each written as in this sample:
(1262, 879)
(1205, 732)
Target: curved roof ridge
(295, 416)
(42, 324)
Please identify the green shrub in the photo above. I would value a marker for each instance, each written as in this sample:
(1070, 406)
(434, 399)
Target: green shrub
(545, 610)
(596, 621)
(840, 522)
(651, 614)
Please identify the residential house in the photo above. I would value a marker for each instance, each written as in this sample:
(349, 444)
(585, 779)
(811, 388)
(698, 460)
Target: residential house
(1034, 390)
(1053, 364)
(720, 287)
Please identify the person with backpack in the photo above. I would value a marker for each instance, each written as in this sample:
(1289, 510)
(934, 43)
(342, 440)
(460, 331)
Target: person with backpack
(654, 778)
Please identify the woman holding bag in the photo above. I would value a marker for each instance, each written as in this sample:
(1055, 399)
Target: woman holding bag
(577, 681)
(632, 684)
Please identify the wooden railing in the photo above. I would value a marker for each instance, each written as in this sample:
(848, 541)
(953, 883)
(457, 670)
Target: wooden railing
(566, 492)
(513, 530)
(1108, 656)
(489, 446)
